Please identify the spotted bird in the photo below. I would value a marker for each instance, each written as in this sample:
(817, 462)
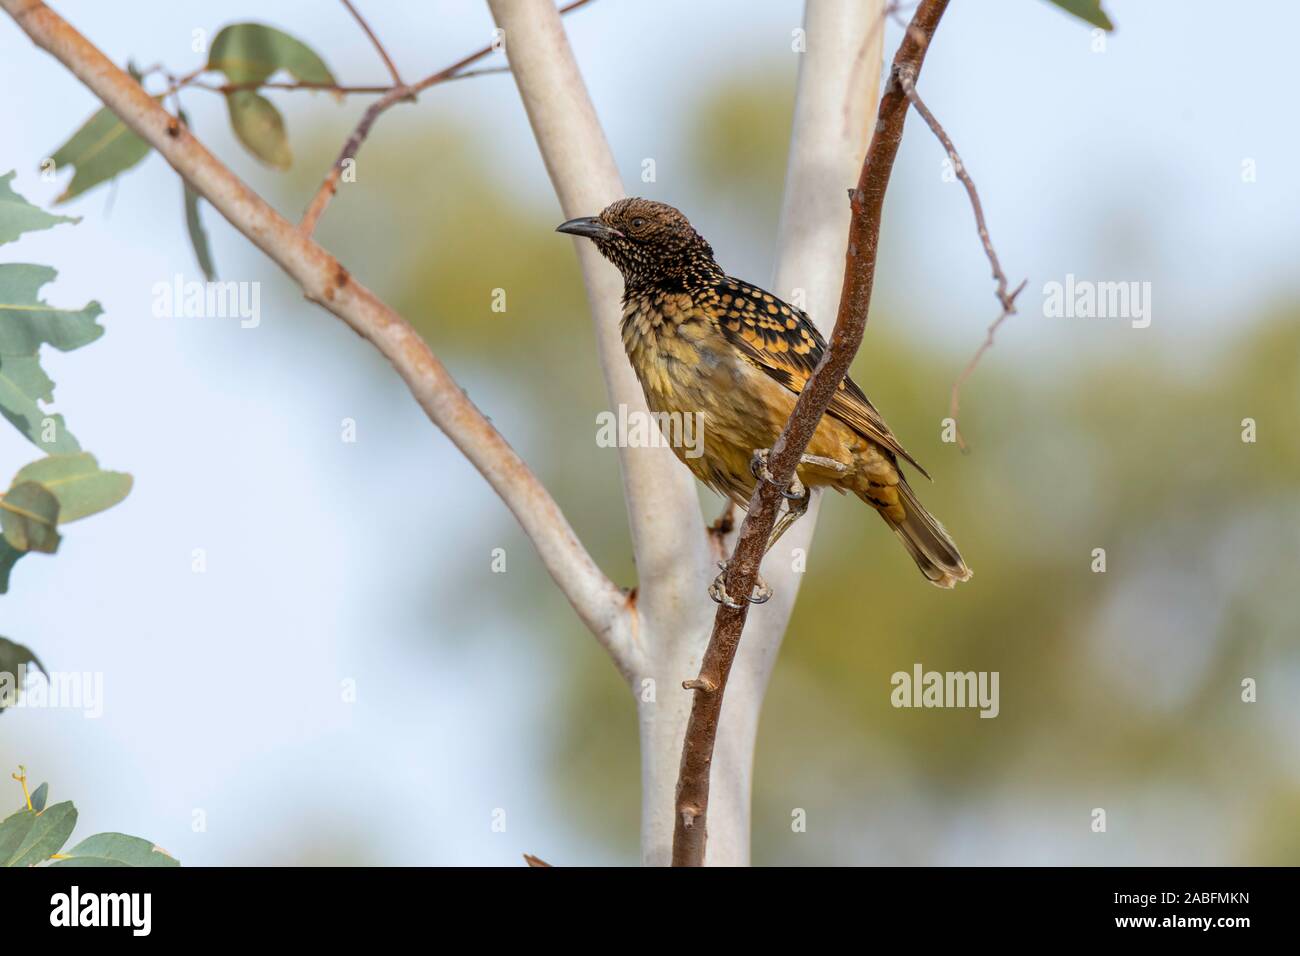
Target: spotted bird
(704, 342)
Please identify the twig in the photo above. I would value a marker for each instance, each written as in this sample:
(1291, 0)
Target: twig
(954, 398)
(690, 826)
(536, 861)
(392, 68)
(324, 280)
(1006, 299)
(226, 88)
(330, 184)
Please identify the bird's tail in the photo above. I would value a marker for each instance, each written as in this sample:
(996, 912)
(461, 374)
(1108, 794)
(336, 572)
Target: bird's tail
(923, 536)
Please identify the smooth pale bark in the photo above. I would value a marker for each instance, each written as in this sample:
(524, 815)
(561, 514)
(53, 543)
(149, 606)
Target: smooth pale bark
(838, 91)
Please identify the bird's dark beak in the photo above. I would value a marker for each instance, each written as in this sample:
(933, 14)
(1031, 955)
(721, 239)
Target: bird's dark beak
(588, 226)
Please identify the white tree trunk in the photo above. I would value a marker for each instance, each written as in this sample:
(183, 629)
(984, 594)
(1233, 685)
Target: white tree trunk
(838, 91)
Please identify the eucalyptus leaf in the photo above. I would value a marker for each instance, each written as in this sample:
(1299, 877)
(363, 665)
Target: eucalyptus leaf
(253, 52)
(45, 835)
(13, 832)
(9, 556)
(29, 515)
(116, 849)
(194, 224)
(102, 148)
(80, 485)
(198, 237)
(260, 127)
(1089, 10)
(17, 215)
(39, 796)
(13, 656)
(26, 322)
(22, 382)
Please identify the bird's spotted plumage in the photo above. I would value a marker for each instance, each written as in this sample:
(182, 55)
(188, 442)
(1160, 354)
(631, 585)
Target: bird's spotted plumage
(704, 342)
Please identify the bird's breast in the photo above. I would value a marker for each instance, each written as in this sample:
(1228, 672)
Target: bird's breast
(677, 351)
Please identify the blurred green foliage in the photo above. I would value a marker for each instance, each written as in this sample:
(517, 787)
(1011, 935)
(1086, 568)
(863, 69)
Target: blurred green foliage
(1119, 690)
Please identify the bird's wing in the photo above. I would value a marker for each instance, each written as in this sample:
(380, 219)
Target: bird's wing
(779, 339)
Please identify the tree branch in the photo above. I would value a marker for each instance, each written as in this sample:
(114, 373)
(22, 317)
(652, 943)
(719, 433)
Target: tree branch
(1006, 299)
(394, 95)
(379, 47)
(601, 605)
(690, 828)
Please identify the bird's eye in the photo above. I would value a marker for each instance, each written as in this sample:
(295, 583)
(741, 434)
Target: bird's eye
(638, 223)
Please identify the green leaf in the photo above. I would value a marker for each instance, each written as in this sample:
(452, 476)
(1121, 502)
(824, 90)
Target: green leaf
(12, 656)
(22, 382)
(78, 483)
(116, 849)
(39, 796)
(198, 237)
(26, 322)
(194, 224)
(100, 150)
(260, 128)
(29, 515)
(42, 834)
(17, 215)
(252, 52)
(9, 556)
(13, 831)
(1089, 10)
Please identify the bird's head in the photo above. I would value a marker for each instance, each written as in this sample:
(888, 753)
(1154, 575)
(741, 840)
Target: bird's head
(650, 242)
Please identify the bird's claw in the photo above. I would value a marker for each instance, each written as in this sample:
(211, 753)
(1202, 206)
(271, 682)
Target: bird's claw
(718, 590)
(793, 491)
(758, 465)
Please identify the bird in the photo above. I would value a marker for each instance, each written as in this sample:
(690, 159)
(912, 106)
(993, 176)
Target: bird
(704, 343)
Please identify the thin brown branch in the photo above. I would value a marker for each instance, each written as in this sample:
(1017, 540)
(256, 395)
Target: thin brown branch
(535, 861)
(323, 279)
(397, 94)
(226, 88)
(1007, 299)
(388, 62)
(690, 827)
(955, 397)
(722, 526)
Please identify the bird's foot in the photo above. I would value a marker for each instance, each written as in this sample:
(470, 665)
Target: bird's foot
(794, 491)
(718, 590)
